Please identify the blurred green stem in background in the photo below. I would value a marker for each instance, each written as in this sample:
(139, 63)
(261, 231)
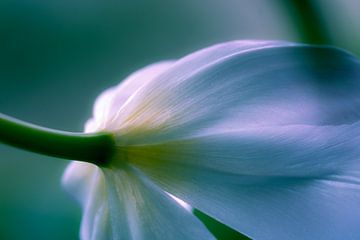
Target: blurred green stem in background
(95, 148)
(308, 20)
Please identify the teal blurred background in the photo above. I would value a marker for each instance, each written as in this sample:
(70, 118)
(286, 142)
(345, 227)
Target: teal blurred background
(57, 56)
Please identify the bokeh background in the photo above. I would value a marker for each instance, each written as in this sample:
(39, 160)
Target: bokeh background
(57, 56)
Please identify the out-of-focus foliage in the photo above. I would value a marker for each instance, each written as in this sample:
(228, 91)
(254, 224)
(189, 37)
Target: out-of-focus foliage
(57, 56)
(343, 22)
(330, 22)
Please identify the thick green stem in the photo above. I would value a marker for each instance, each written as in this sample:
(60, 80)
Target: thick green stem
(95, 148)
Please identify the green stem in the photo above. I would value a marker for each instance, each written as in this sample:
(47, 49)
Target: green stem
(308, 20)
(95, 148)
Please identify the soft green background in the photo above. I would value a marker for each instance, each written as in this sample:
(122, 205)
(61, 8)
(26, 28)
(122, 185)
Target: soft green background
(57, 56)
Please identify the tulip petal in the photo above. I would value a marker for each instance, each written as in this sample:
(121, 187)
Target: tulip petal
(265, 86)
(190, 64)
(140, 210)
(111, 100)
(78, 179)
(283, 182)
(246, 132)
(123, 204)
(86, 183)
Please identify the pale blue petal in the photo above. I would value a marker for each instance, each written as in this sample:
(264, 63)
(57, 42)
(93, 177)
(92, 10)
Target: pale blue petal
(111, 100)
(140, 210)
(265, 86)
(78, 179)
(191, 63)
(95, 223)
(293, 182)
(225, 130)
(229, 137)
(122, 204)
(86, 183)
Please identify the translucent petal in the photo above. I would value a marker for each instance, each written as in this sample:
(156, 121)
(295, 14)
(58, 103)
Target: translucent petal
(95, 222)
(191, 63)
(266, 86)
(77, 179)
(102, 111)
(83, 180)
(146, 211)
(113, 99)
(247, 132)
(291, 182)
(123, 204)
(86, 183)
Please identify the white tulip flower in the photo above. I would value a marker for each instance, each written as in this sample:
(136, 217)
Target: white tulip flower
(263, 136)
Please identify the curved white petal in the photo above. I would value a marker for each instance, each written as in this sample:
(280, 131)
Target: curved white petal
(95, 222)
(102, 111)
(293, 182)
(77, 179)
(112, 99)
(262, 92)
(86, 183)
(140, 210)
(276, 85)
(247, 132)
(123, 204)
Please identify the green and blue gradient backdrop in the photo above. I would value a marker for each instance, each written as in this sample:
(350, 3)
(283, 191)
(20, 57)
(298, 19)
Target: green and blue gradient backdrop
(57, 56)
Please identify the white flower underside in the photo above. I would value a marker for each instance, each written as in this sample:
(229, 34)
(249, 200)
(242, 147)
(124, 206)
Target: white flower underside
(263, 136)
